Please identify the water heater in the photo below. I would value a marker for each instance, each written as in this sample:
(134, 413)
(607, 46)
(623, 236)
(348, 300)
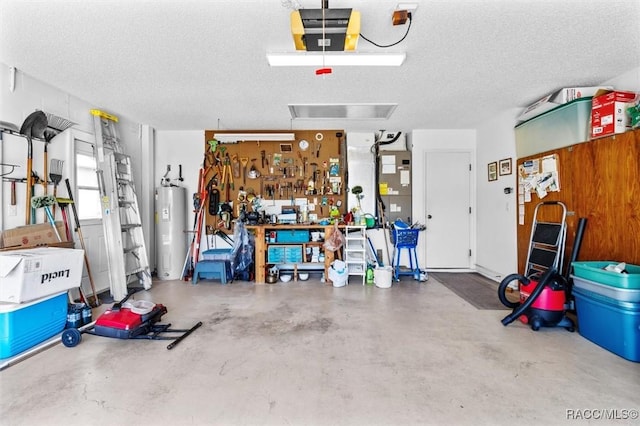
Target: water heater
(171, 239)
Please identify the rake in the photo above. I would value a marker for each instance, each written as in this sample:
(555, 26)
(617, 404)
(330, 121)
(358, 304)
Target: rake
(55, 126)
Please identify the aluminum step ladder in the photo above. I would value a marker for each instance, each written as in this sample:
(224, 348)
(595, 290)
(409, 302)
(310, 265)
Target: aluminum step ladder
(546, 246)
(125, 247)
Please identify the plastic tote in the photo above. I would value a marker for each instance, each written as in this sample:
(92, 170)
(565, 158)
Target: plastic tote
(382, 276)
(338, 273)
(609, 323)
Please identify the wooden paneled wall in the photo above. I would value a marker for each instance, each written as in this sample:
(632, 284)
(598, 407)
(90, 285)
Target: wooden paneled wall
(600, 181)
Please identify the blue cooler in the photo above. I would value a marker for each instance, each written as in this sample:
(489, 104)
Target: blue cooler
(24, 325)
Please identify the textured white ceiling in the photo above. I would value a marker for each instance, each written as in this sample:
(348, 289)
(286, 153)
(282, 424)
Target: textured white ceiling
(189, 65)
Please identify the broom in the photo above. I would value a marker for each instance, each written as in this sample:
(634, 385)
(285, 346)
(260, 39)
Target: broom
(55, 174)
(46, 201)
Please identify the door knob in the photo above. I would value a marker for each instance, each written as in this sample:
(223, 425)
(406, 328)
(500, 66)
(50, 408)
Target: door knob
(429, 216)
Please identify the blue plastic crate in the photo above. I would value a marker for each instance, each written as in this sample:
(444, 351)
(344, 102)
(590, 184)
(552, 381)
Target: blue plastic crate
(405, 237)
(293, 254)
(609, 323)
(275, 254)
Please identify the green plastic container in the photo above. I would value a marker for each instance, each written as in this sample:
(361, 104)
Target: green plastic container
(370, 220)
(594, 271)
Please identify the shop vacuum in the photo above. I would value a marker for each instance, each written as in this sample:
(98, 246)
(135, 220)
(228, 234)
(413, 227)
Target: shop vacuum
(545, 296)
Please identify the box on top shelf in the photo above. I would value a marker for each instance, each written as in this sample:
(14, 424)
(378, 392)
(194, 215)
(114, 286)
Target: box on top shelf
(609, 113)
(557, 98)
(562, 126)
(30, 274)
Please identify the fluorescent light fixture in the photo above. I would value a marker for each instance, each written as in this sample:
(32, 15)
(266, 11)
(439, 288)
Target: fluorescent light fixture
(342, 111)
(261, 137)
(335, 59)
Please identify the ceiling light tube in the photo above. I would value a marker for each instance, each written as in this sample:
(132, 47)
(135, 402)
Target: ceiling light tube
(317, 59)
(262, 137)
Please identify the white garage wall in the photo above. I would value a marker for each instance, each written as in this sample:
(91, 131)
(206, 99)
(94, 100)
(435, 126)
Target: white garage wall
(180, 147)
(30, 95)
(496, 212)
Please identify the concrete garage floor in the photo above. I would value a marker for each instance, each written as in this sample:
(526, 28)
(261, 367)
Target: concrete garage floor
(310, 354)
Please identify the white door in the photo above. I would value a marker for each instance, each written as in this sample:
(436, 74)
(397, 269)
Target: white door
(448, 210)
(87, 199)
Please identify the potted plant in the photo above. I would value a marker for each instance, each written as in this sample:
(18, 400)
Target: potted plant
(357, 191)
(357, 211)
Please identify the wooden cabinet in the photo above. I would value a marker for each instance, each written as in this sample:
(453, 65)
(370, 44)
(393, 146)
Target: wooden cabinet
(600, 181)
(285, 253)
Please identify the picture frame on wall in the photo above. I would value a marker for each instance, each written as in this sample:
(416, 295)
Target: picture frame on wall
(492, 171)
(505, 167)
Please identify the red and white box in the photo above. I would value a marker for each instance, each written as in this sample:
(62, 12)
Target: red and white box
(609, 113)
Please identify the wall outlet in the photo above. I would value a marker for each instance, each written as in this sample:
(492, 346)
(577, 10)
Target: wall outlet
(13, 210)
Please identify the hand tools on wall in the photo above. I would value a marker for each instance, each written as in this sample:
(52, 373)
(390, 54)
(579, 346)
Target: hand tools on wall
(13, 192)
(236, 165)
(244, 161)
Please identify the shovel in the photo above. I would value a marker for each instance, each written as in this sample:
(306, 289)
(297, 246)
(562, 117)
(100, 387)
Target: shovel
(34, 126)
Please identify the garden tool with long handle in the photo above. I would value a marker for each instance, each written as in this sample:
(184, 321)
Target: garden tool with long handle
(34, 126)
(81, 238)
(46, 201)
(55, 174)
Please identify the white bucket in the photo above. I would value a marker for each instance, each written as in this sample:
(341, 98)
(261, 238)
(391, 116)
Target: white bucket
(382, 276)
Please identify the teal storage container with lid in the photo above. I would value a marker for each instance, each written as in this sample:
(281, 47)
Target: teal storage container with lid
(594, 271)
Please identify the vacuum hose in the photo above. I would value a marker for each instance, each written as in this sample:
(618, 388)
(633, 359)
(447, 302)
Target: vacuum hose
(502, 288)
(518, 311)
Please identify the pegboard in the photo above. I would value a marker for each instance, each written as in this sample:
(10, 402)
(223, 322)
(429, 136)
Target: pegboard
(276, 172)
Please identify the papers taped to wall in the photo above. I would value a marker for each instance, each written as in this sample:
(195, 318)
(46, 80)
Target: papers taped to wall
(540, 175)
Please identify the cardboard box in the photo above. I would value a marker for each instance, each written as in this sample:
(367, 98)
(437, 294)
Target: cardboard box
(557, 98)
(609, 113)
(30, 274)
(32, 235)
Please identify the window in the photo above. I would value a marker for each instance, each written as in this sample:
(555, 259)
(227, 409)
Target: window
(88, 197)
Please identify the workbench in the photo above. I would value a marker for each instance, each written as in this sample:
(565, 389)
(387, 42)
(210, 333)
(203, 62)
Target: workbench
(264, 241)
